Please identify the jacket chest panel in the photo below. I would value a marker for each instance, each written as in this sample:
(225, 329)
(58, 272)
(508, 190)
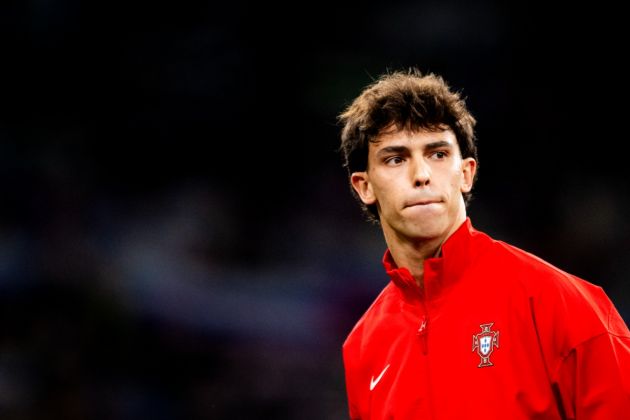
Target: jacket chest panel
(484, 349)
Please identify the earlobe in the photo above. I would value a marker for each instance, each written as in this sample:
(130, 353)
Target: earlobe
(361, 183)
(469, 168)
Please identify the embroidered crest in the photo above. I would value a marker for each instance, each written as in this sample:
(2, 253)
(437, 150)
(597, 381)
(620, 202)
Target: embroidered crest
(485, 342)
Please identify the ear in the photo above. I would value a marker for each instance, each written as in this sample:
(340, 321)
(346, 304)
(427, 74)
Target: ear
(469, 168)
(361, 183)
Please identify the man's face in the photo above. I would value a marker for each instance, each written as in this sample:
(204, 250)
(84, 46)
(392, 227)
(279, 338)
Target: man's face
(416, 180)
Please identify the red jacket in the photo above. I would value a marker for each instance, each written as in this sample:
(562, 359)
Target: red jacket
(496, 333)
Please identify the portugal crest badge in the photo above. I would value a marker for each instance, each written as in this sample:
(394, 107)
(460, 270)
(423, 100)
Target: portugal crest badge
(485, 342)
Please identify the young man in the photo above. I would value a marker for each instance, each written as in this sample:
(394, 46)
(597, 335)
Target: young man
(468, 327)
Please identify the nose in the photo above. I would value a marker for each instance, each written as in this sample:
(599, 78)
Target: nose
(421, 174)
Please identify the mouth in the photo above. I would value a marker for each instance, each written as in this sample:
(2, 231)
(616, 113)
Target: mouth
(423, 202)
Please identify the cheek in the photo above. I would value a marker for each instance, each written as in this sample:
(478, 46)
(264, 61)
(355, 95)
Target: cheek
(458, 179)
(458, 182)
(386, 194)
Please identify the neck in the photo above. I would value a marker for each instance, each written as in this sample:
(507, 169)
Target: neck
(412, 255)
(412, 252)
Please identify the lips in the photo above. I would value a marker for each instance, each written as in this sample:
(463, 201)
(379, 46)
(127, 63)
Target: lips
(423, 202)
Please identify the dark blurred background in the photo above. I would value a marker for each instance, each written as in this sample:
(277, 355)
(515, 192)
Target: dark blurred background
(177, 237)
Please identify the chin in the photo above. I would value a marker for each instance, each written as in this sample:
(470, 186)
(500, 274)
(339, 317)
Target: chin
(426, 229)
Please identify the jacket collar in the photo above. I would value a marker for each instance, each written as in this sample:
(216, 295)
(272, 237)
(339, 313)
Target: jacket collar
(439, 272)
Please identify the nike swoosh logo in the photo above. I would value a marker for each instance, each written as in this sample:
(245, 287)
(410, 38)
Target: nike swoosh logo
(373, 381)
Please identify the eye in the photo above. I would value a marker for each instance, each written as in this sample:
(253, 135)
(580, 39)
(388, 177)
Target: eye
(440, 154)
(394, 161)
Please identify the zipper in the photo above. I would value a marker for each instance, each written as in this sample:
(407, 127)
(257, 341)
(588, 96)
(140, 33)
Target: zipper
(423, 328)
(422, 333)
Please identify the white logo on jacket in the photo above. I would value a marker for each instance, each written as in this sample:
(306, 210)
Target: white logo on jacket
(373, 381)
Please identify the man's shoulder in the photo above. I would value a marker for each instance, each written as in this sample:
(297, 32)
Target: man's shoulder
(563, 296)
(505, 255)
(385, 303)
(526, 265)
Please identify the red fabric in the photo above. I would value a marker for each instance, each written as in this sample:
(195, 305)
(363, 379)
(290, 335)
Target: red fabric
(496, 333)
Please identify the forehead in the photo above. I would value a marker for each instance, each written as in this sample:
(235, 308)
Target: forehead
(411, 139)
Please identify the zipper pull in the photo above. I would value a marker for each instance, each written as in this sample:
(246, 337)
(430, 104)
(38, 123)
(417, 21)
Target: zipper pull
(424, 323)
(422, 333)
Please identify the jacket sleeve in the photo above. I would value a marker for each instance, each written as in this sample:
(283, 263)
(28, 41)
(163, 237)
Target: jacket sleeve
(593, 380)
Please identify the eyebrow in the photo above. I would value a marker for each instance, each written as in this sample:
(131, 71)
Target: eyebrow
(392, 149)
(404, 149)
(438, 145)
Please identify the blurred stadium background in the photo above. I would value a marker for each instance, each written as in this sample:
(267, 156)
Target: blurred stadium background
(177, 238)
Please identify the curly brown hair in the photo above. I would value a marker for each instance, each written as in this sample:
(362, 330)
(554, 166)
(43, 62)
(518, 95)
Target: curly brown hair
(407, 100)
